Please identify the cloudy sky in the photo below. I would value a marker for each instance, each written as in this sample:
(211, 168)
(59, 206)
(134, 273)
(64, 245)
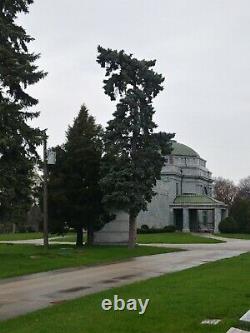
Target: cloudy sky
(202, 47)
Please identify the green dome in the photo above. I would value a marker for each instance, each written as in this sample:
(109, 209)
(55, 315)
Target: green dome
(183, 150)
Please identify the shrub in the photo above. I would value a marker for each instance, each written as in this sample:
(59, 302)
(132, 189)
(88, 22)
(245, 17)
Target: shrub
(240, 211)
(247, 228)
(169, 228)
(146, 230)
(228, 225)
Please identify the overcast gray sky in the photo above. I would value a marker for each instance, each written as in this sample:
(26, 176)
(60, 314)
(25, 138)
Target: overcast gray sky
(202, 47)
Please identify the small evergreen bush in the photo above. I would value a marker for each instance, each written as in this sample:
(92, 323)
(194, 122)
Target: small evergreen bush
(228, 225)
(146, 230)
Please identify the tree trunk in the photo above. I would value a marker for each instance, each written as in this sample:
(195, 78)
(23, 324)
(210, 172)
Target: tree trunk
(132, 231)
(79, 237)
(90, 235)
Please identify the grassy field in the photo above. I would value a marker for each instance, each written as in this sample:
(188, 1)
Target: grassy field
(25, 259)
(168, 238)
(20, 236)
(174, 238)
(238, 236)
(178, 304)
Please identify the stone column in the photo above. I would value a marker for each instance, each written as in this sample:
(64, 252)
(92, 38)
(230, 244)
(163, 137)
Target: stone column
(186, 227)
(217, 219)
(171, 216)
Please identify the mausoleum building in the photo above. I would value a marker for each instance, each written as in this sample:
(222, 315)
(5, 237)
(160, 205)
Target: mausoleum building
(184, 194)
(184, 198)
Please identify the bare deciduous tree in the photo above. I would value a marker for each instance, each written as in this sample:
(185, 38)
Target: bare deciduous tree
(225, 190)
(244, 188)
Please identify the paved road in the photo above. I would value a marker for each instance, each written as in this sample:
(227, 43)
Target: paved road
(22, 295)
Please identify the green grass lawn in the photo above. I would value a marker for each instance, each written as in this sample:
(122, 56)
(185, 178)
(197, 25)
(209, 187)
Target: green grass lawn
(174, 238)
(238, 236)
(25, 259)
(20, 236)
(178, 303)
(168, 238)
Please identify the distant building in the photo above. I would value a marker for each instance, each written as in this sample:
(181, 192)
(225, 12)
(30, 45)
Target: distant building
(184, 195)
(184, 198)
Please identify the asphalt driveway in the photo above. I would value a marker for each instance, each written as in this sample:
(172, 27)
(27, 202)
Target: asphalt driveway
(32, 292)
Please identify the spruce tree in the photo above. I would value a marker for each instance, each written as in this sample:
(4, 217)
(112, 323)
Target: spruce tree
(134, 154)
(18, 140)
(83, 151)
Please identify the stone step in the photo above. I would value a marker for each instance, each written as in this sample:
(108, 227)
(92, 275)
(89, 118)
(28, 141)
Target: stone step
(246, 316)
(236, 330)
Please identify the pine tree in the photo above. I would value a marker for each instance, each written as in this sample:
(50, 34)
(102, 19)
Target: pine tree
(133, 152)
(74, 189)
(18, 140)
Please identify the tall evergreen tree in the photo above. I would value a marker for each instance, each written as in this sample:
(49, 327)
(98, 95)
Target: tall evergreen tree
(57, 199)
(18, 140)
(133, 152)
(74, 189)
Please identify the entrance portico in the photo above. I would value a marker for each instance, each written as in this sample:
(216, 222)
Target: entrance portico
(197, 213)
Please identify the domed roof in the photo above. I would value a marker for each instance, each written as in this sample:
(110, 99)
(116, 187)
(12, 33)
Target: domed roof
(181, 149)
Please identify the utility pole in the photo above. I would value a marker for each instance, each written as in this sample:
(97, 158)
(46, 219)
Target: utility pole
(45, 193)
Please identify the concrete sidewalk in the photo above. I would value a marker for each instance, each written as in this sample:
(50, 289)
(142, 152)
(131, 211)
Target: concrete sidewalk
(28, 293)
(38, 241)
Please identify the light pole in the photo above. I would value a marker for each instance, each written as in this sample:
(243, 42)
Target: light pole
(45, 192)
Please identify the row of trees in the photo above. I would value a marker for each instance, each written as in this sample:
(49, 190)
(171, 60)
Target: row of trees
(237, 197)
(97, 170)
(227, 191)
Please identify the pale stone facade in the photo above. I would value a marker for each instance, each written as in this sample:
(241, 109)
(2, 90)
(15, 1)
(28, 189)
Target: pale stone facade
(184, 198)
(184, 177)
